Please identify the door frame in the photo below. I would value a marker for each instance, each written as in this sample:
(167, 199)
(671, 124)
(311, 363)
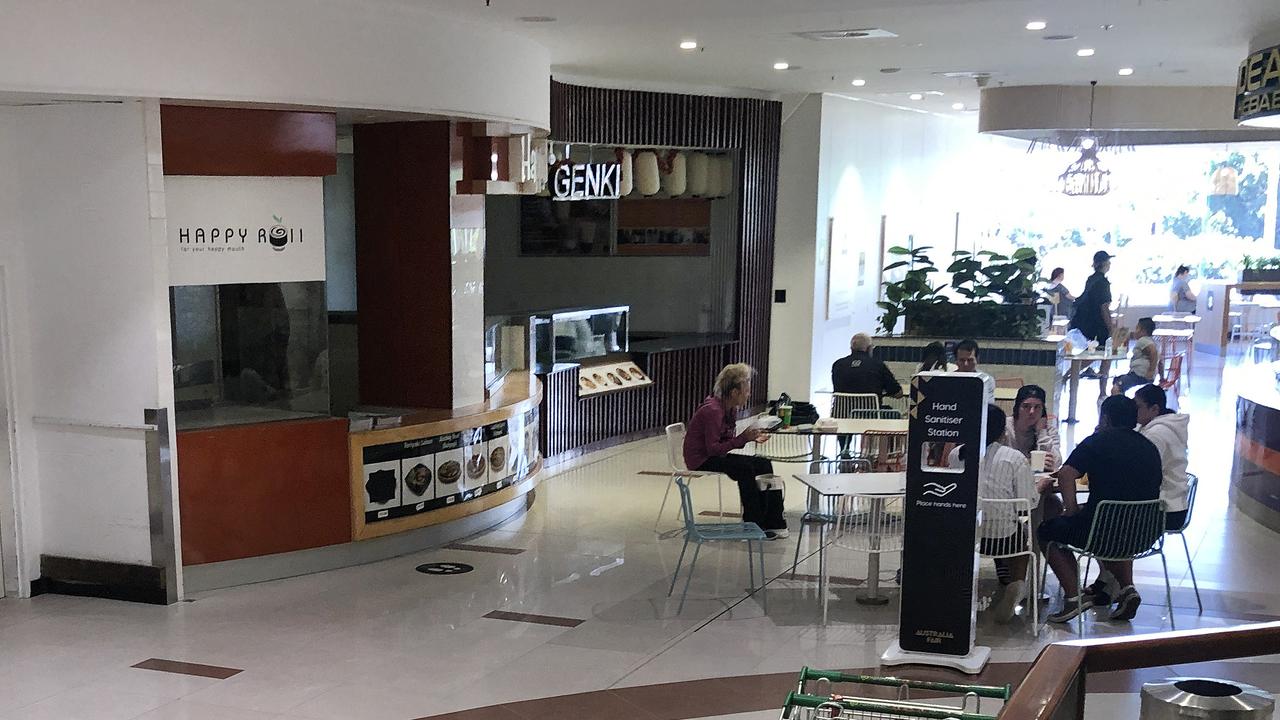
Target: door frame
(11, 532)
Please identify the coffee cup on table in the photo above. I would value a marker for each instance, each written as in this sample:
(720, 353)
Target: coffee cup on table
(1039, 459)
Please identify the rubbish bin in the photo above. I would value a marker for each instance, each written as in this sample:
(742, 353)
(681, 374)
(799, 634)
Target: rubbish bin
(1205, 699)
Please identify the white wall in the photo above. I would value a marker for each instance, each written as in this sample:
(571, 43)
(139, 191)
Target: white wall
(90, 323)
(871, 161)
(327, 53)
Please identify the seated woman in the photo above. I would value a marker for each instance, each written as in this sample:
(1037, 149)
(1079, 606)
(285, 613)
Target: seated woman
(712, 434)
(1004, 474)
(1029, 429)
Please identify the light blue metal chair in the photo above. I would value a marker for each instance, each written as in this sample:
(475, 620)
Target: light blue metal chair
(699, 533)
(1124, 531)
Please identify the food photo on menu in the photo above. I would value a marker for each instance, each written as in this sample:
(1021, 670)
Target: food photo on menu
(449, 472)
(418, 475)
(476, 466)
(382, 486)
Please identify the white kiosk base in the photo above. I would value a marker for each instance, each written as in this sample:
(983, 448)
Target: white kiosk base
(970, 664)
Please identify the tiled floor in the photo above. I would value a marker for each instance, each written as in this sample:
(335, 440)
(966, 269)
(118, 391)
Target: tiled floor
(385, 642)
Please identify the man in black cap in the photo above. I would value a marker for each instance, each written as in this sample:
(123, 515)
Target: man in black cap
(1092, 315)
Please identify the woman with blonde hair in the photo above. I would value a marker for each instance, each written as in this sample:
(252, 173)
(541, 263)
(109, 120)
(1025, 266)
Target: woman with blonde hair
(712, 434)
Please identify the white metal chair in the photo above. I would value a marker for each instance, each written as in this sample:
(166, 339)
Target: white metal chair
(1124, 531)
(1014, 513)
(1192, 483)
(870, 524)
(894, 408)
(852, 465)
(675, 454)
(787, 448)
(864, 406)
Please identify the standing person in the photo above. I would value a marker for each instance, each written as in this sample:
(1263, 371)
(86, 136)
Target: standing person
(1092, 312)
(967, 361)
(712, 434)
(1062, 298)
(1143, 362)
(1029, 429)
(1004, 474)
(859, 372)
(1121, 465)
(1181, 299)
(934, 357)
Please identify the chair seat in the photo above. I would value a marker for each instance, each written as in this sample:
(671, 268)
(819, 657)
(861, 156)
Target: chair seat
(728, 531)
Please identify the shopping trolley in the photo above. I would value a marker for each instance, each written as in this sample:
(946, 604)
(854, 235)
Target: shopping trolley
(819, 702)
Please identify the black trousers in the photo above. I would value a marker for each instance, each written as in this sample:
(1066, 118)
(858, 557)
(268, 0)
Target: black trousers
(762, 508)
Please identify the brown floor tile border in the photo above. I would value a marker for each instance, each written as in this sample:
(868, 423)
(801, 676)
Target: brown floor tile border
(717, 513)
(484, 548)
(751, 693)
(655, 473)
(186, 668)
(535, 619)
(833, 579)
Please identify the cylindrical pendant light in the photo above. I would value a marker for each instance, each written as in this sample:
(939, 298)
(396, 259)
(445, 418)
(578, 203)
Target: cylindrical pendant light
(646, 173)
(697, 174)
(675, 179)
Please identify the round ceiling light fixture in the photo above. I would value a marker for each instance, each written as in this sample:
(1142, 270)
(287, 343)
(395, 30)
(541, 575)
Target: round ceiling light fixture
(689, 45)
(1125, 72)
(1037, 25)
(957, 106)
(859, 82)
(1085, 52)
(916, 96)
(781, 66)
(537, 19)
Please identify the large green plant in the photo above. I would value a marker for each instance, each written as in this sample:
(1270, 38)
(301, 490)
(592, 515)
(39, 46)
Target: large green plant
(913, 289)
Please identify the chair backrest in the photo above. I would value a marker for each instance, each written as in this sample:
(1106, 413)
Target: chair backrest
(1126, 530)
(855, 405)
(870, 523)
(999, 532)
(1172, 372)
(675, 446)
(1005, 404)
(1192, 483)
(843, 465)
(894, 408)
(786, 447)
(686, 506)
(887, 449)
(1010, 382)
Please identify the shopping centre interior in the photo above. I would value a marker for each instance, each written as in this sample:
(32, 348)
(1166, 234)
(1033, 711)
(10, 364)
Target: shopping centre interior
(400, 360)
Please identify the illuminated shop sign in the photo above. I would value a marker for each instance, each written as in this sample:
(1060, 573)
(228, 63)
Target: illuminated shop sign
(1258, 87)
(586, 181)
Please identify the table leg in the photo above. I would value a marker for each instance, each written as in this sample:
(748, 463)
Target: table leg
(1073, 389)
(1191, 350)
(813, 503)
(822, 561)
(872, 596)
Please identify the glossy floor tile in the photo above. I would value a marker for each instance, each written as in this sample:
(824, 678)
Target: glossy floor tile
(382, 641)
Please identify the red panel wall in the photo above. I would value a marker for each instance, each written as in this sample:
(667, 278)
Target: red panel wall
(236, 141)
(403, 272)
(249, 490)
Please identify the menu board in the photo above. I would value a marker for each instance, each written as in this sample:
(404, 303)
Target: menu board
(414, 476)
(599, 379)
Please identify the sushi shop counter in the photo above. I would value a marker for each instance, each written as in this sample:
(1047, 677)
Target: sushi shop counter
(324, 484)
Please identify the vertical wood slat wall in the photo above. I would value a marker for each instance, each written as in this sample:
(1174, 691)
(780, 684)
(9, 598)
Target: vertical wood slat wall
(749, 126)
(682, 378)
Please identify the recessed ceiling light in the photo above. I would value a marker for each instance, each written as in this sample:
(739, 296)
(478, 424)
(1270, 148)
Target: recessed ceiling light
(957, 106)
(917, 96)
(689, 45)
(1037, 25)
(781, 66)
(1058, 38)
(1125, 71)
(537, 19)
(1108, 26)
(1084, 52)
(859, 82)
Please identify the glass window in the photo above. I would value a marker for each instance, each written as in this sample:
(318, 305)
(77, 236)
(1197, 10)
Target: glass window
(249, 353)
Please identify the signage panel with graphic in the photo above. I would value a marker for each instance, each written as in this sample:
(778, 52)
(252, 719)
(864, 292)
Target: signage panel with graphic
(1258, 88)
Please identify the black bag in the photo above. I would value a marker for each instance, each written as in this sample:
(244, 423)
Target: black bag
(802, 412)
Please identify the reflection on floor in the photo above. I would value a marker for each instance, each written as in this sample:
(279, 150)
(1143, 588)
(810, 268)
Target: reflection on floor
(572, 619)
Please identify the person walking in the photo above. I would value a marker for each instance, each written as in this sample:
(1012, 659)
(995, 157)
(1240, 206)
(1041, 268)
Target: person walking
(1092, 313)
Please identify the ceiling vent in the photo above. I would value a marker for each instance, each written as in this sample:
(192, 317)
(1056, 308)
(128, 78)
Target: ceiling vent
(855, 34)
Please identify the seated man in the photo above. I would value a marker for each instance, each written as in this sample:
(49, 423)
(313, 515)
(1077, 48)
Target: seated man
(712, 433)
(1143, 362)
(1004, 474)
(859, 372)
(967, 352)
(1121, 465)
(1030, 429)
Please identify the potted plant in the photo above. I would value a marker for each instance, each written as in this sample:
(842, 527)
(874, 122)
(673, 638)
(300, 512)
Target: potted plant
(1260, 269)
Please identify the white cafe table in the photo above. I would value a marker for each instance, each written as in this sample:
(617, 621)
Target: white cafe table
(842, 426)
(833, 486)
(1073, 382)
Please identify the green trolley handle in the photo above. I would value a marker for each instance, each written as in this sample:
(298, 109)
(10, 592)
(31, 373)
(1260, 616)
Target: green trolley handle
(987, 691)
(884, 707)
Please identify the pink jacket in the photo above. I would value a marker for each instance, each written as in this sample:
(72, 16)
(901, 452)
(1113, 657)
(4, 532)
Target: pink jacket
(711, 433)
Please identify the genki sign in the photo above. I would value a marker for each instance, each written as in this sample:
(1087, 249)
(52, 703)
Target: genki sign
(586, 181)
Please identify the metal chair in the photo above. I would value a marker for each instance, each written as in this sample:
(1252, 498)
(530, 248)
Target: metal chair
(870, 524)
(699, 533)
(787, 447)
(675, 454)
(885, 449)
(894, 408)
(1171, 373)
(863, 406)
(1192, 483)
(1016, 513)
(1123, 531)
(848, 465)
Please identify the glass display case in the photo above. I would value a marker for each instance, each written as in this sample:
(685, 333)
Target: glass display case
(579, 334)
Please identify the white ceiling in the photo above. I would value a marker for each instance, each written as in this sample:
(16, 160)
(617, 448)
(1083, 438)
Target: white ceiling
(1167, 42)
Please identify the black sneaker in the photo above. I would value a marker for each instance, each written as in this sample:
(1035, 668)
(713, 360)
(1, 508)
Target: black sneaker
(1098, 591)
(1071, 607)
(1126, 605)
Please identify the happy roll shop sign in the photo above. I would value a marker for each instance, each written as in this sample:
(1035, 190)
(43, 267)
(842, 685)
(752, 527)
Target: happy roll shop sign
(586, 181)
(1258, 86)
(233, 230)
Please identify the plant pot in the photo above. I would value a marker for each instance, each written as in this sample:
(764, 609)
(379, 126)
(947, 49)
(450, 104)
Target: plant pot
(1260, 276)
(986, 320)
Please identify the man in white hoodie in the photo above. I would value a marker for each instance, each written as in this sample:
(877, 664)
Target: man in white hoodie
(1167, 430)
